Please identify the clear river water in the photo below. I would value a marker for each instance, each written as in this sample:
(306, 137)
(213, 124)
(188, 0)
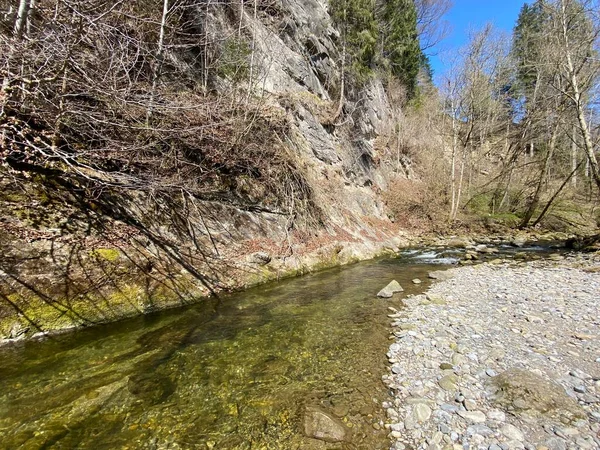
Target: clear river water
(237, 372)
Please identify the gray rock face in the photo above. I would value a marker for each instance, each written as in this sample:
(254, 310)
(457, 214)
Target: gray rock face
(320, 141)
(390, 290)
(525, 393)
(260, 258)
(323, 426)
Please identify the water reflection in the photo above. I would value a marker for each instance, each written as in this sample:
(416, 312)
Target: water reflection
(230, 373)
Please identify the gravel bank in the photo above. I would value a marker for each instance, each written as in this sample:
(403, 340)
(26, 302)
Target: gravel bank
(499, 356)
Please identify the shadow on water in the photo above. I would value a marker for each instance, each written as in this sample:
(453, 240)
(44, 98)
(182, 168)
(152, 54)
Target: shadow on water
(229, 373)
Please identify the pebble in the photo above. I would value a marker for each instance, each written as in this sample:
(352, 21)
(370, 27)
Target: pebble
(448, 383)
(512, 432)
(556, 444)
(422, 412)
(449, 408)
(579, 374)
(472, 416)
(470, 327)
(480, 429)
(470, 405)
(496, 415)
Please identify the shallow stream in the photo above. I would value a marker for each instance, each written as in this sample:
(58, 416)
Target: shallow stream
(236, 372)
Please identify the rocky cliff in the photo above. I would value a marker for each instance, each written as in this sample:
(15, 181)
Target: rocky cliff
(74, 256)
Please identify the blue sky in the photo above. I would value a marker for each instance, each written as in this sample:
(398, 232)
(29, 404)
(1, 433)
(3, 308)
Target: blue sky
(468, 15)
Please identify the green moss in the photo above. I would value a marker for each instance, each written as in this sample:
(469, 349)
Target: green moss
(108, 254)
(126, 301)
(233, 63)
(508, 219)
(134, 297)
(13, 197)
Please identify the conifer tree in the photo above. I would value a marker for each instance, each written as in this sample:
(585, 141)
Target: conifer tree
(401, 43)
(359, 29)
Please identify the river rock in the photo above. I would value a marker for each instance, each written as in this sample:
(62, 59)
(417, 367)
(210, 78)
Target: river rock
(422, 412)
(436, 299)
(512, 432)
(496, 415)
(448, 383)
(458, 242)
(525, 393)
(390, 290)
(440, 275)
(323, 426)
(472, 416)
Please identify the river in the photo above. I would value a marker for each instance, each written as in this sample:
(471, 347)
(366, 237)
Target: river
(237, 372)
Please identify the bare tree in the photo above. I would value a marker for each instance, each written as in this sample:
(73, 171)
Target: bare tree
(431, 25)
(573, 36)
(477, 109)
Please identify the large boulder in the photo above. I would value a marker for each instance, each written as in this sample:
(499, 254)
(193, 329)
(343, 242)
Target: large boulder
(524, 393)
(323, 426)
(390, 290)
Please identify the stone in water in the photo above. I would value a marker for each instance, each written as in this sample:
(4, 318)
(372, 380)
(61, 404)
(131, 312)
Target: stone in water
(323, 426)
(390, 290)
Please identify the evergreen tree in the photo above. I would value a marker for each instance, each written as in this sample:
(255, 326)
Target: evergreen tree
(359, 29)
(528, 44)
(401, 42)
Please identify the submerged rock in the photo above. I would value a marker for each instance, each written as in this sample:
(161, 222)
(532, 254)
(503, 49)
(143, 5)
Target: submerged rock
(524, 393)
(323, 426)
(390, 290)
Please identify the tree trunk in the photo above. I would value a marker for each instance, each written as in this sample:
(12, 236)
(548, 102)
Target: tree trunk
(251, 75)
(577, 99)
(342, 72)
(21, 20)
(535, 201)
(574, 157)
(453, 162)
(556, 194)
(159, 61)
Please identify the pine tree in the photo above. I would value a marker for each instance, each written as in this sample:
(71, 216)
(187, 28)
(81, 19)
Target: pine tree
(359, 28)
(528, 44)
(401, 42)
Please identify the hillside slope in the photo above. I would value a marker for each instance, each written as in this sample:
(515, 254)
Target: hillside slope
(119, 199)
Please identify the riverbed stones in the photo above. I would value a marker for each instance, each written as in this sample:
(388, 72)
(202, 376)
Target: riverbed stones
(321, 425)
(389, 291)
(487, 386)
(448, 383)
(512, 432)
(472, 416)
(422, 412)
(526, 393)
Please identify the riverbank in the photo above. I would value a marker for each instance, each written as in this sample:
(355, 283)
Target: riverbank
(500, 356)
(115, 278)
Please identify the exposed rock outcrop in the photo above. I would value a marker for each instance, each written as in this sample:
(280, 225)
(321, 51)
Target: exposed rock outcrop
(76, 256)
